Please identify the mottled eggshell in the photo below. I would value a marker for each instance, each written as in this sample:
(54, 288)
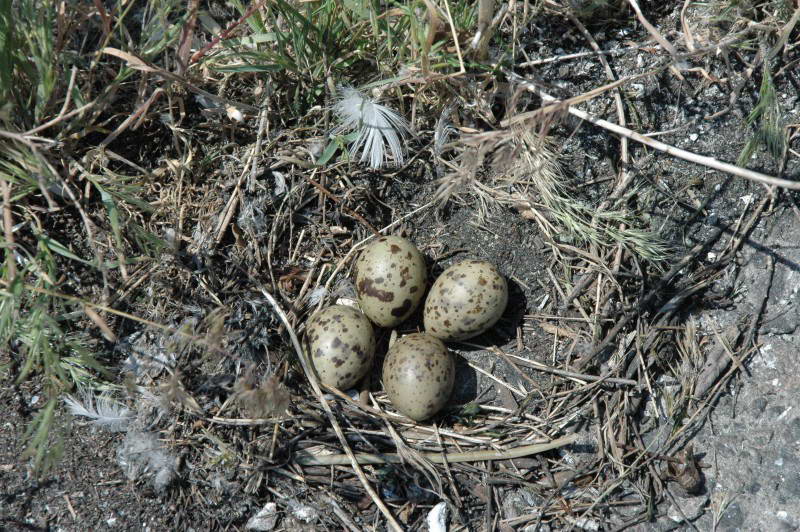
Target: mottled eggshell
(418, 375)
(390, 280)
(341, 344)
(465, 301)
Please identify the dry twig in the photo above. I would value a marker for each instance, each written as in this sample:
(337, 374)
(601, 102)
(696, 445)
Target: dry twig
(703, 160)
(441, 458)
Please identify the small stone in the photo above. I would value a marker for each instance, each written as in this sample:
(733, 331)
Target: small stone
(732, 517)
(691, 507)
(543, 527)
(758, 406)
(303, 512)
(437, 518)
(693, 137)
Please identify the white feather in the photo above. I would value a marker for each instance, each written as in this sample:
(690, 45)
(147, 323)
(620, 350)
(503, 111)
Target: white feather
(102, 410)
(444, 129)
(142, 453)
(377, 126)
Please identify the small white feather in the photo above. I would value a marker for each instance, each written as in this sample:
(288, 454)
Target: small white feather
(142, 453)
(102, 410)
(377, 127)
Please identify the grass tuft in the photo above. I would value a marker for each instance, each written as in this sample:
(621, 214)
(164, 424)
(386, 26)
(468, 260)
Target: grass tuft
(766, 118)
(71, 212)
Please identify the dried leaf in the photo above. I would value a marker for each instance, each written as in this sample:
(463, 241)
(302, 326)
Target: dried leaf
(560, 331)
(187, 37)
(174, 392)
(686, 471)
(267, 400)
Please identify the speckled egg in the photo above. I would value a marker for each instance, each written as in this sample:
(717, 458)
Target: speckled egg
(341, 345)
(390, 280)
(465, 301)
(418, 375)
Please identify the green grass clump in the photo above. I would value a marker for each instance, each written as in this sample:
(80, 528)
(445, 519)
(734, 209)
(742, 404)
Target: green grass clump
(51, 226)
(308, 48)
(29, 324)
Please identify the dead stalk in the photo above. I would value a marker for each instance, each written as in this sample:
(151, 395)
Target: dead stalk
(703, 160)
(440, 458)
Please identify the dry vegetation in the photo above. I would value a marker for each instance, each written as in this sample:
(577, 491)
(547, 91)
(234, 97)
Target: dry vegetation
(178, 200)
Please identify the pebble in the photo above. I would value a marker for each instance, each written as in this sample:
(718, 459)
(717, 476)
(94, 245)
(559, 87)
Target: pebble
(691, 507)
(732, 517)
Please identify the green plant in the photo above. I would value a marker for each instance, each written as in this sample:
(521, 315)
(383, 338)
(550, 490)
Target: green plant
(309, 48)
(52, 229)
(766, 118)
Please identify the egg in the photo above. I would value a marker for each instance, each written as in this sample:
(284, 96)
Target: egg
(418, 375)
(341, 345)
(465, 301)
(390, 280)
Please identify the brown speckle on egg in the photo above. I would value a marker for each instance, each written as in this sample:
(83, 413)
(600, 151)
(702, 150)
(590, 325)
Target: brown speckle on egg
(342, 345)
(465, 301)
(366, 288)
(398, 267)
(418, 375)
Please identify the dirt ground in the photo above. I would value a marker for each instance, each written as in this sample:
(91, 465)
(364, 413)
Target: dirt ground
(748, 448)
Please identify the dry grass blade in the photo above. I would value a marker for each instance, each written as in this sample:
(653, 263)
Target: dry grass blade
(441, 458)
(136, 115)
(617, 97)
(140, 64)
(101, 323)
(225, 34)
(8, 228)
(556, 105)
(785, 33)
(581, 377)
(656, 34)
(651, 295)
